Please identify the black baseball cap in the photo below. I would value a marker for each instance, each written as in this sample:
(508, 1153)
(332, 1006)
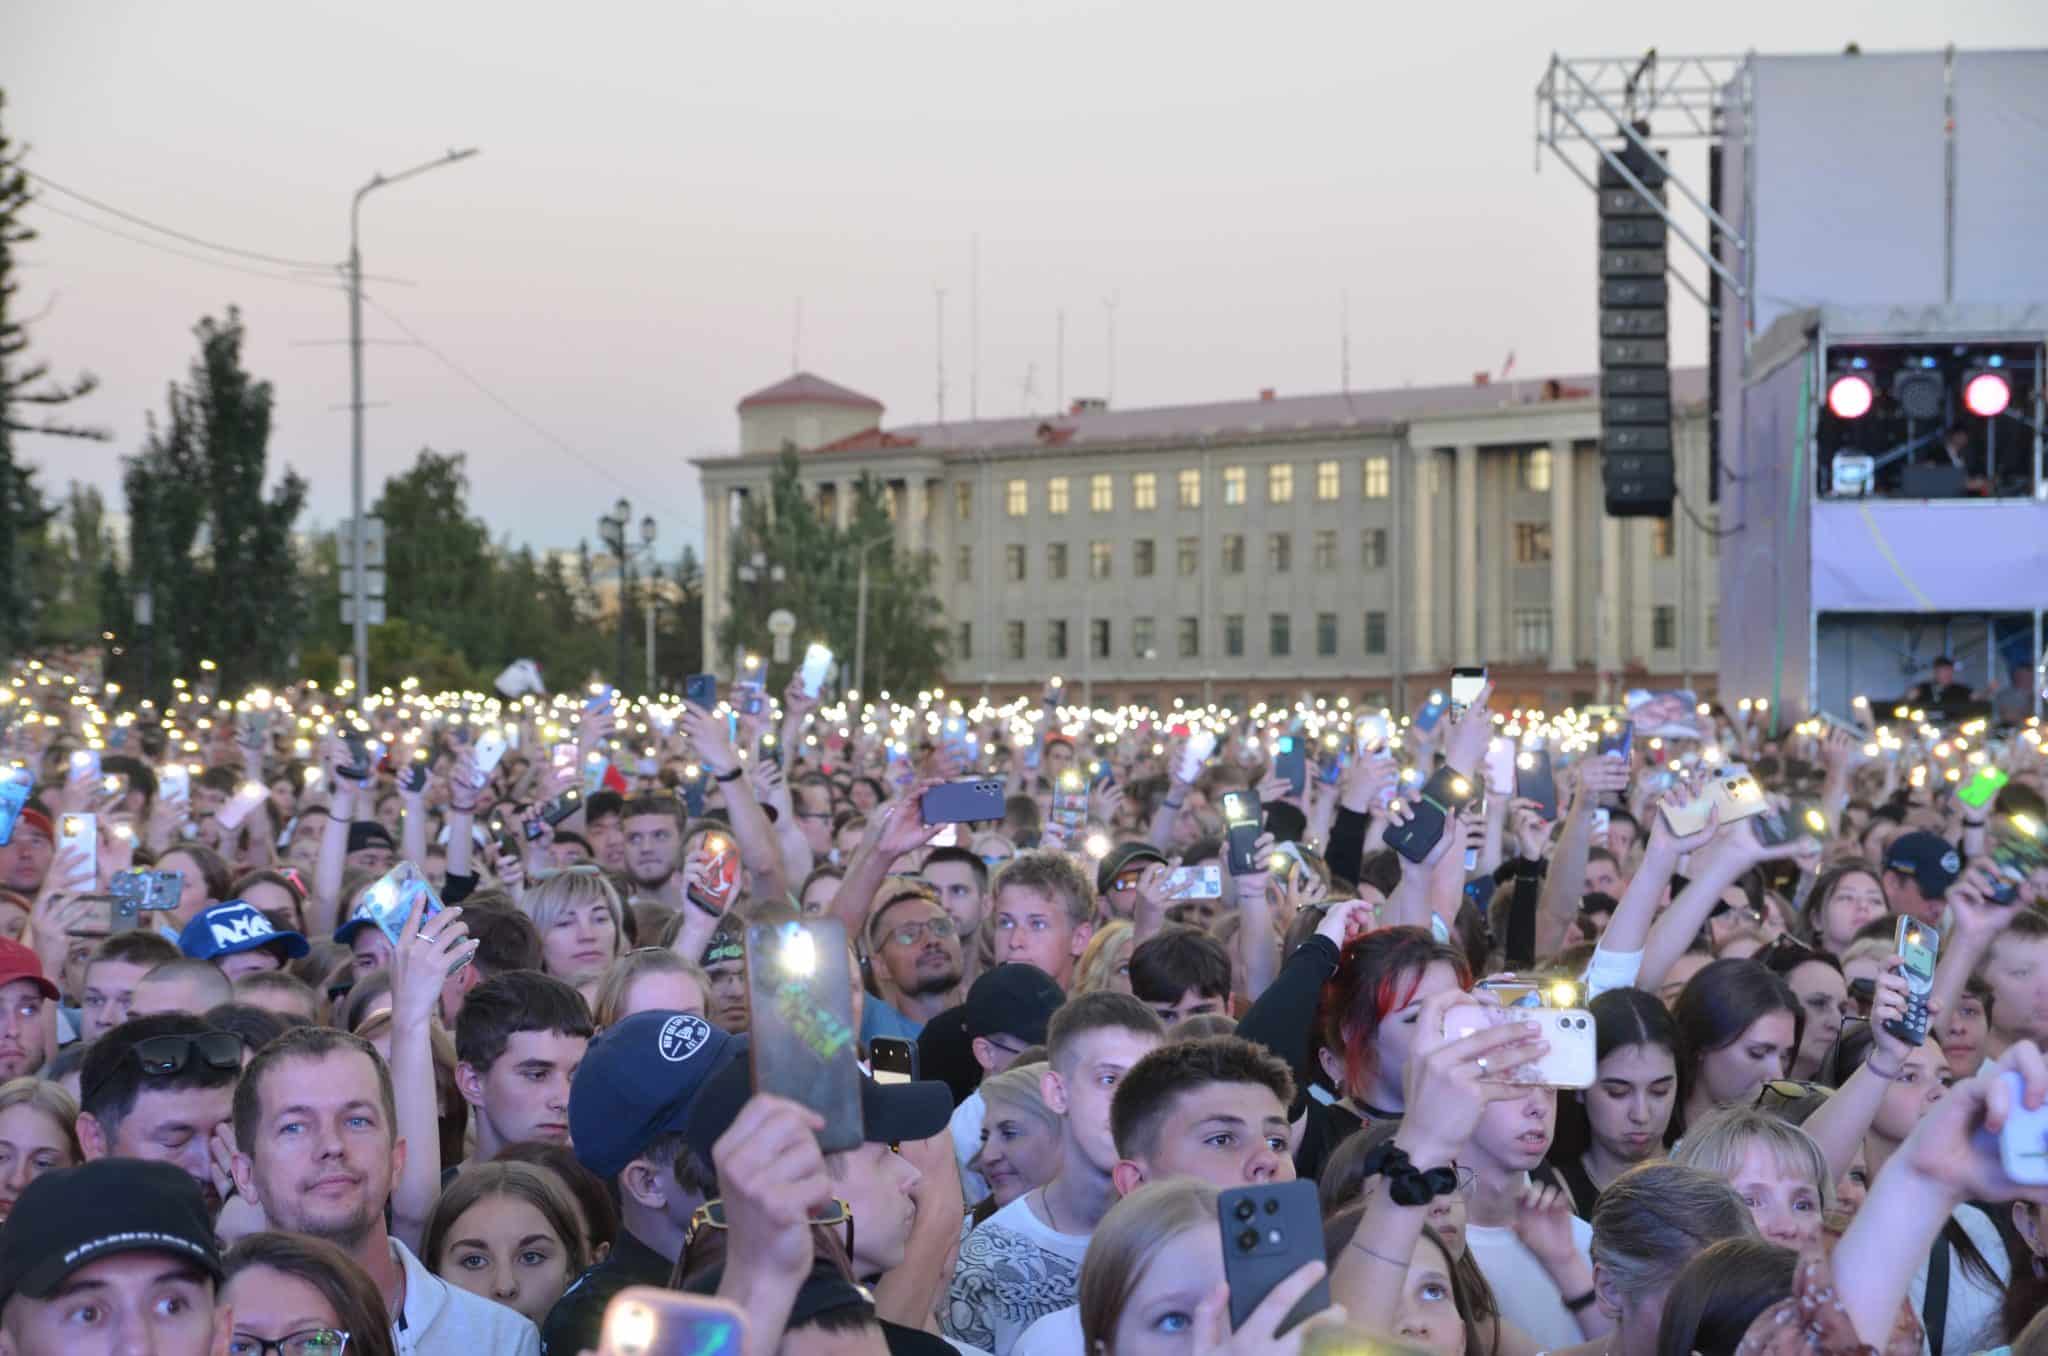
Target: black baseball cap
(1928, 858)
(1119, 858)
(890, 1113)
(1013, 1000)
(637, 1082)
(73, 1216)
(368, 833)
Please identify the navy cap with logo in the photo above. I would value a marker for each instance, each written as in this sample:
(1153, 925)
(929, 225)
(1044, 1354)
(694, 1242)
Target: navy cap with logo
(1013, 1000)
(72, 1217)
(1928, 858)
(636, 1083)
(234, 927)
(891, 1113)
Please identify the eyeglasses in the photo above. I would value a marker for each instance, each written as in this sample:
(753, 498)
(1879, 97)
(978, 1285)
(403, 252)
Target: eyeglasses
(168, 1056)
(711, 1215)
(910, 934)
(307, 1342)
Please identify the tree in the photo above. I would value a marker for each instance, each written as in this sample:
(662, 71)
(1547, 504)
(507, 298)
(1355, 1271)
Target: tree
(25, 388)
(820, 584)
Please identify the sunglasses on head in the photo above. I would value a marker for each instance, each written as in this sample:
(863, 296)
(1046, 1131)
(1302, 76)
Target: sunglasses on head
(169, 1056)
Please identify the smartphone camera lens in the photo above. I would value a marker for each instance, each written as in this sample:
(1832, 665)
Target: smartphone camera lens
(1248, 1240)
(1245, 1209)
(1272, 1205)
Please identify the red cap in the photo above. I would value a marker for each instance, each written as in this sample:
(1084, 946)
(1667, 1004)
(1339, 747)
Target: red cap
(18, 962)
(39, 821)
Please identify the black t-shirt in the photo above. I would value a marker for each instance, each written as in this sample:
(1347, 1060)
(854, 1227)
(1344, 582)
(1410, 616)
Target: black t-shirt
(577, 1320)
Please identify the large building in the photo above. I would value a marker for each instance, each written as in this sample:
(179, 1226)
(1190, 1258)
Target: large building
(1355, 544)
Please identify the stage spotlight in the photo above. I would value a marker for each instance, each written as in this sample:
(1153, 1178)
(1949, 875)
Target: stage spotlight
(1919, 392)
(1986, 393)
(1850, 395)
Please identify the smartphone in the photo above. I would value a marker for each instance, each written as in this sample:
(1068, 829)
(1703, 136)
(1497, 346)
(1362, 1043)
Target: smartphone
(412, 778)
(1737, 794)
(965, 802)
(557, 810)
(1194, 754)
(1193, 882)
(1536, 780)
(957, 738)
(174, 782)
(1269, 1233)
(1375, 731)
(14, 789)
(1465, 688)
(1918, 945)
(645, 1320)
(488, 751)
(1500, 766)
(389, 902)
(1290, 760)
(599, 699)
(817, 667)
(692, 791)
(247, 797)
(1617, 737)
(1069, 808)
(357, 768)
(595, 765)
(2023, 1143)
(701, 689)
(1430, 712)
(1242, 819)
(81, 831)
(893, 1060)
(135, 893)
(2019, 847)
(800, 1018)
(85, 766)
(722, 875)
(562, 757)
(1983, 786)
(1572, 1061)
(1445, 791)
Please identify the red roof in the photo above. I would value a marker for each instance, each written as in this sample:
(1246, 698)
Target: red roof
(871, 440)
(805, 389)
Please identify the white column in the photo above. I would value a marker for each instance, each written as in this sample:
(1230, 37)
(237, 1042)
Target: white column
(912, 534)
(717, 571)
(1465, 529)
(1564, 563)
(1419, 544)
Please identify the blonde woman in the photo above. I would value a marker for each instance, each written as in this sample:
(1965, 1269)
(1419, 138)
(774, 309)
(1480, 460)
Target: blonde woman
(1020, 1137)
(1106, 962)
(36, 1135)
(578, 916)
(1777, 1169)
(650, 979)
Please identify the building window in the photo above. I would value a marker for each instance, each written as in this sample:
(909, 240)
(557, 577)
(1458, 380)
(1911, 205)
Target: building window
(963, 501)
(1101, 494)
(1233, 553)
(1013, 564)
(1144, 491)
(1098, 637)
(1532, 543)
(1098, 560)
(1279, 552)
(1013, 640)
(1055, 560)
(1280, 483)
(1326, 549)
(1532, 630)
(828, 503)
(1329, 480)
(1375, 633)
(963, 566)
(1279, 635)
(964, 646)
(1141, 558)
(1056, 496)
(1190, 637)
(1141, 638)
(1190, 489)
(1233, 635)
(1190, 553)
(1017, 498)
(1378, 479)
(1535, 467)
(1660, 538)
(1326, 634)
(1233, 485)
(1372, 549)
(1664, 627)
(1056, 639)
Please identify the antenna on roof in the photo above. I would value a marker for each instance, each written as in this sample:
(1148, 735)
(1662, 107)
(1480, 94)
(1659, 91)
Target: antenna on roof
(1030, 387)
(1344, 341)
(1109, 383)
(939, 297)
(974, 326)
(796, 339)
(1059, 378)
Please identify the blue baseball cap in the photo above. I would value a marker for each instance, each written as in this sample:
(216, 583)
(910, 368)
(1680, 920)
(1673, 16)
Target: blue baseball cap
(636, 1083)
(234, 927)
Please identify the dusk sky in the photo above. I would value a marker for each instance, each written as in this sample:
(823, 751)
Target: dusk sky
(661, 183)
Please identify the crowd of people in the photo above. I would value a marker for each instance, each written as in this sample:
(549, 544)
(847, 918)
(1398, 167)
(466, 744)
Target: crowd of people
(265, 1111)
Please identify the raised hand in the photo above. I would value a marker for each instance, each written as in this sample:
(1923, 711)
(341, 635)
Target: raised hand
(1465, 743)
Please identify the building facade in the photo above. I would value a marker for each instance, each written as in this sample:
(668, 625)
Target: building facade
(1355, 544)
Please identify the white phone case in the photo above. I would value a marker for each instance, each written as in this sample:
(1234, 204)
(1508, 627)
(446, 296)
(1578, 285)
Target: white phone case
(81, 831)
(1572, 1061)
(247, 797)
(488, 752)
(2023, 1143)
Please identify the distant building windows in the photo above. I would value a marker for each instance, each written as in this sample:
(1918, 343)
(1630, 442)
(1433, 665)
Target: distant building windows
(1326, 634)
(1279, 635)
(1280, 483)
(1101, 494)
(1535, 467)
(1144, 491)
(1233, 485)
(1532, 543)
(1329, 481)
(1325, 550)
(1233, 635)
(1190, 489)
(1056, 496)
(1013, 564)
(1098, 559)
(1375, 633)
(1055, 560)
(1378, 479)
(1017, 498)
(1142, 558)
(1279, 552)
(1233, 553)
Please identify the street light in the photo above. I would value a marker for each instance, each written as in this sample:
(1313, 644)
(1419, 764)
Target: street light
(860, 614)
(613, 530)
(757, 571)
(359, 590)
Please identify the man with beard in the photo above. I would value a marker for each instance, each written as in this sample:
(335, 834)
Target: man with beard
(160, 1089)
(316, 1128)
(654, 849)
(914, 953)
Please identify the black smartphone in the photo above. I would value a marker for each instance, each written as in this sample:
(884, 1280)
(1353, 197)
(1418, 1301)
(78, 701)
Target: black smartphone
(893, 1060)
(1536, 781)
(1444, 792)
(558, 809)
(1269, 1233)
(802, 1043)
(357, 768)
(701, 689)
(1617, 737)
(1242, 817)
(1290, 760)
(966, 802)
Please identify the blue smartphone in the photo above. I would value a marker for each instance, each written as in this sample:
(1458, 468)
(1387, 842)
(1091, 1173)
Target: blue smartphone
(1431, 712)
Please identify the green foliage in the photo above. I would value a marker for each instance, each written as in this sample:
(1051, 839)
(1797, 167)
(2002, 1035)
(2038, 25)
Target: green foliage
(820, 585)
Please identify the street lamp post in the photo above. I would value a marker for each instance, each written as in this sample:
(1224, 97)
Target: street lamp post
(613, 530)
(758, 572)
(359, 590)
(860, 615)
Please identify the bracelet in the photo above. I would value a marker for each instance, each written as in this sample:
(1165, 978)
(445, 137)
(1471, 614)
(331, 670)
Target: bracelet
(1579, 1303)
(1172, 804)
(1891, 1077)
(1975, 823)
(1379, 1256)
(731, 776)
(1407, 1184)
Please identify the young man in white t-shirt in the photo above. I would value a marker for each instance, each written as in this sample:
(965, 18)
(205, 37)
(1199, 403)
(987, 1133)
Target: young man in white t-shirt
(1537, 1260)
(1024, 1261)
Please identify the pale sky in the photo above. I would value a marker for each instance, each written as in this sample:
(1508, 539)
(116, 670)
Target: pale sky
(660, 183)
